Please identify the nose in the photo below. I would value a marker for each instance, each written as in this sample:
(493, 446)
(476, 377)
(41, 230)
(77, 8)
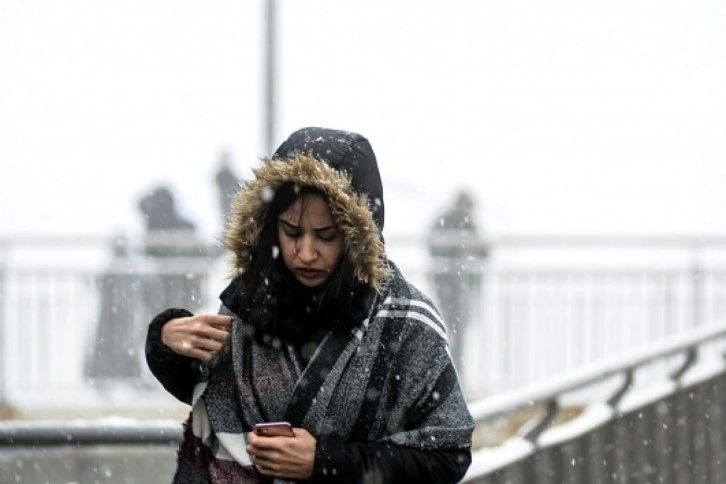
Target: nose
(307, 250)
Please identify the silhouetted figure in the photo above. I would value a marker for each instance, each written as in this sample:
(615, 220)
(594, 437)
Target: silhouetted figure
(227, 185)
(115, 355)
(171, 239)
(134, 288)
(161, 217)
(457, 252)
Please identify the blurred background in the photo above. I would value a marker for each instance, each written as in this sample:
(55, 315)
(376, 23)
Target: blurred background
(581, 142)
(531, 105)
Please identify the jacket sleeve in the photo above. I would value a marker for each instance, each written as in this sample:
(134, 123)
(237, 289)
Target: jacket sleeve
(177, 373)
(352, 462)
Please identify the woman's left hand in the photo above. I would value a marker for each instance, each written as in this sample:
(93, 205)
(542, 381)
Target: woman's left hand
(284, 457)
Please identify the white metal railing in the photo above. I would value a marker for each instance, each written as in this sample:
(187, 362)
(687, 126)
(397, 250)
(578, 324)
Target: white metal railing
(661, 421)
(542, 305)
(656, 417)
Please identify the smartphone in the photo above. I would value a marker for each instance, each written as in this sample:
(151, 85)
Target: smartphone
(274, 429)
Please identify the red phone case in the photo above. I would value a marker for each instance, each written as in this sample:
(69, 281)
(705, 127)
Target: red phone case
(274, 429)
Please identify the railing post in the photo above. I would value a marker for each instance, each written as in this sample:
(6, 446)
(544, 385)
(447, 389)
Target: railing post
(697, 286)
(3, 299)
(270, 74)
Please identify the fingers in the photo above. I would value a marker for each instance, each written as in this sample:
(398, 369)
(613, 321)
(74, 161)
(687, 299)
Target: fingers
(264, 457)
(202, 336)
(303, 434)
(259, 442)
(207, 344)
(268, 467)
(212, 326)
(288, 457)
(205, 325)
(216, 320)
(206, 350)
(214, 334)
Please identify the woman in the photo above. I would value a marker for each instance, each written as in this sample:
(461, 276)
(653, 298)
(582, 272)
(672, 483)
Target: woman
(319, 329)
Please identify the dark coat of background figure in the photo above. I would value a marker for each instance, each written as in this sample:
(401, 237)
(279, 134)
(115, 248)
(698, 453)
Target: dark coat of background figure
(132, 289)
(228, 184)
(169, 235)
(458, 252)
(114, 354)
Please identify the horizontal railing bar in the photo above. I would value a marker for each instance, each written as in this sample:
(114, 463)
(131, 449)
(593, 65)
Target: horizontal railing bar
(611, 271)
(136, 267)
(90, 432)
(32, 240)
(547, 390)
(544, 240)
(204, 246)
(612, 240)
(178, 265)
(684, 241)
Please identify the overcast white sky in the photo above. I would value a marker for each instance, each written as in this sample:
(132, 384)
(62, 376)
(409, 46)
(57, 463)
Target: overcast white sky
(561, 116)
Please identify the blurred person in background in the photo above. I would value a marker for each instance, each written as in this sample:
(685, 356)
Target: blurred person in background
(227, 185)
(458, 253)
(173, 249)
(114, 357)
(132, 289)
(317, 328)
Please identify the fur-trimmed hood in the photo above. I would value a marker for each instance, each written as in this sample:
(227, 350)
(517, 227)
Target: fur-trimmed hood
(341, 165)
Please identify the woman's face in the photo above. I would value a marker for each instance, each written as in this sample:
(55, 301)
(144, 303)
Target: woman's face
(310, 241)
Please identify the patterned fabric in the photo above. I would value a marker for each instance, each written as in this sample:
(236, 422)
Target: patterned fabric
(390, 380)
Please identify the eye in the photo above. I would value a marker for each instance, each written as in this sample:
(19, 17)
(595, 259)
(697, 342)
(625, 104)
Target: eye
(293, 234)
(328, 235)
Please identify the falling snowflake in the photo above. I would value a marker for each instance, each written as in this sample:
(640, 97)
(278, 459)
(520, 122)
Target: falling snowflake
(267, 194)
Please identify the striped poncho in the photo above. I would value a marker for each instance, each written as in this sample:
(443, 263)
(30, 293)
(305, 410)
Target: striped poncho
(391, 379)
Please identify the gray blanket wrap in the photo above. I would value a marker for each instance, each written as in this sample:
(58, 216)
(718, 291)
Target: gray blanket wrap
(391, 380)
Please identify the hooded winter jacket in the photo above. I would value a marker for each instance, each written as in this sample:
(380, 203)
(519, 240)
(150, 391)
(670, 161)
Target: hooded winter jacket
(380, 392)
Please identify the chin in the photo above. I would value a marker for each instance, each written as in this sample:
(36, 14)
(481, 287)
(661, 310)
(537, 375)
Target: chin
(311, 284)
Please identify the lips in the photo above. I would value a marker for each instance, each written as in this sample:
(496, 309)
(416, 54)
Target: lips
(310, 273)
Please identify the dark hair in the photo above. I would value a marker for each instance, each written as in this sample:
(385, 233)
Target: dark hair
(274, 304)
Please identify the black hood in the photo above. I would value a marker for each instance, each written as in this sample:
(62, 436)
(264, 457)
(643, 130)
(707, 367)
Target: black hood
(341, 165)
(344, 151)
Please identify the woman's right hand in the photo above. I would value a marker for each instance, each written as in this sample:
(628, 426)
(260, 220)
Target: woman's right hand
(202, 336)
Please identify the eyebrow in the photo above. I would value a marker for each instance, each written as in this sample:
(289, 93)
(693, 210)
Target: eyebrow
(297, 227)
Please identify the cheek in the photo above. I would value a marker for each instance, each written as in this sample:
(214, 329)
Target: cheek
(287, 249)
